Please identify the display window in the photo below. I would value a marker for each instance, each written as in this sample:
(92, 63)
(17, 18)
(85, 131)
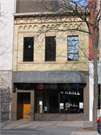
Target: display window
(57, 98)
(72, 101)
(60, 98)
(99, 96)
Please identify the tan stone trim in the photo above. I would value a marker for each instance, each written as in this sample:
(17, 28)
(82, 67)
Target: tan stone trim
(50, 34)
(45, 22)
(33, 33)
(60, 62)
(23, 91)
(46, 13)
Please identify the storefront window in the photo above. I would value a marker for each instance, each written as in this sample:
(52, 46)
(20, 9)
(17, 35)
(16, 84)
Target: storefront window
(99, 96)
(72, 101)
(59, 98)
(50, 102)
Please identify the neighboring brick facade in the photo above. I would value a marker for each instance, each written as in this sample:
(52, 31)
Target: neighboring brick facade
(38, 5)
(99, 8)
(91, 20)
(33, 6)
(33, 27)
(5, 94)
(100, 41)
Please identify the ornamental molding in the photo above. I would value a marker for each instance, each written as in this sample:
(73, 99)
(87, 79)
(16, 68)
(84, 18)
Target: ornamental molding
(38, 20)
(51, 27)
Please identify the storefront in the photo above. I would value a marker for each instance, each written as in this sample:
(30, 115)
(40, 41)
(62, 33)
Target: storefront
(50, 95)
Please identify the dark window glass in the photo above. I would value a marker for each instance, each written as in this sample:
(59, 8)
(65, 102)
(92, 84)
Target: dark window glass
(28, 49)
(71, 101)
(99, 96)
(67, 98)
(50, 52)
(73, 48)
(49, 100)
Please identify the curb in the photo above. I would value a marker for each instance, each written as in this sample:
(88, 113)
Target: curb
(47, 133)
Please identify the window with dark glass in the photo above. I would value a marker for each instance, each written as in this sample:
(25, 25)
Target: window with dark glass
(72, 101)
(73, 48)
(99, 96)
(66, 98)
(50, 49)
(71, 98)
(28, 49)
(50, 101)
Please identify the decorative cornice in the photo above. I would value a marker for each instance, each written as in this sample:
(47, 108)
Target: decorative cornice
(34, 14)
(40, 13)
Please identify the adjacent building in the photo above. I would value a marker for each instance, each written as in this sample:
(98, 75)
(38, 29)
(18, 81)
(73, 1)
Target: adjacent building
(7, 8)
(91, 72)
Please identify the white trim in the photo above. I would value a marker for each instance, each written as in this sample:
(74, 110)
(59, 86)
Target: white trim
(91, 86)
(91, 89)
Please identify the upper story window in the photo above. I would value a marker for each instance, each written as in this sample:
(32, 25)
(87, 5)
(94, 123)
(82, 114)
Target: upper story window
(73, 48)
(28, 49)
(50, 49)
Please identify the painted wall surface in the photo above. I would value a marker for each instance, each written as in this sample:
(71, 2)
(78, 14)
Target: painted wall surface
(6, 34)
(32, 27)
(91, 86)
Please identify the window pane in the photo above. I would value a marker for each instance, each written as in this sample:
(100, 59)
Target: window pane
(73, 48)
(66, 98)
(72, 101)
(99, 96)
(49, 100)
(28, 49)
(50, 54)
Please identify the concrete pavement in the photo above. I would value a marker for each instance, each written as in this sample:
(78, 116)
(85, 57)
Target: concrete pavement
(46, 128)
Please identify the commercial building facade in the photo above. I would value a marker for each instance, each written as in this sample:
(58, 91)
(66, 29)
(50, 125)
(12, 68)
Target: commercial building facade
(91, 70)
(42, 27)
(7, 8)
(50, 67)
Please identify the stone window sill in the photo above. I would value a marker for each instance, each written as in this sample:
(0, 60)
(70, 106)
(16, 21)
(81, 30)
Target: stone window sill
(53, 62)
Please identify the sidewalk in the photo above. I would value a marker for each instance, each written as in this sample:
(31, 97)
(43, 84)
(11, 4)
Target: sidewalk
(46, 128)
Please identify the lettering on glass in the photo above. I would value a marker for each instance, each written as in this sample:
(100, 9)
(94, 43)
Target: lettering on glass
(53, 85)
(71, 92)
(40, 86)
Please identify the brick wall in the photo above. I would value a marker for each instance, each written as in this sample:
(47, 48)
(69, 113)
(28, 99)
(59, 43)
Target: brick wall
(99, 7)
(91, 20)
(33, 6)
(38, 5)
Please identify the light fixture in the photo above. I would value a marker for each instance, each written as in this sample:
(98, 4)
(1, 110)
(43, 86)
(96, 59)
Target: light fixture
(29, 46)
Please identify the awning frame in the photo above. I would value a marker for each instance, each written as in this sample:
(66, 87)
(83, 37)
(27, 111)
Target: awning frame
(50, 77)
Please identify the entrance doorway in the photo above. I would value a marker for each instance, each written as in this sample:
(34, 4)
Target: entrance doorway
(23, 106)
